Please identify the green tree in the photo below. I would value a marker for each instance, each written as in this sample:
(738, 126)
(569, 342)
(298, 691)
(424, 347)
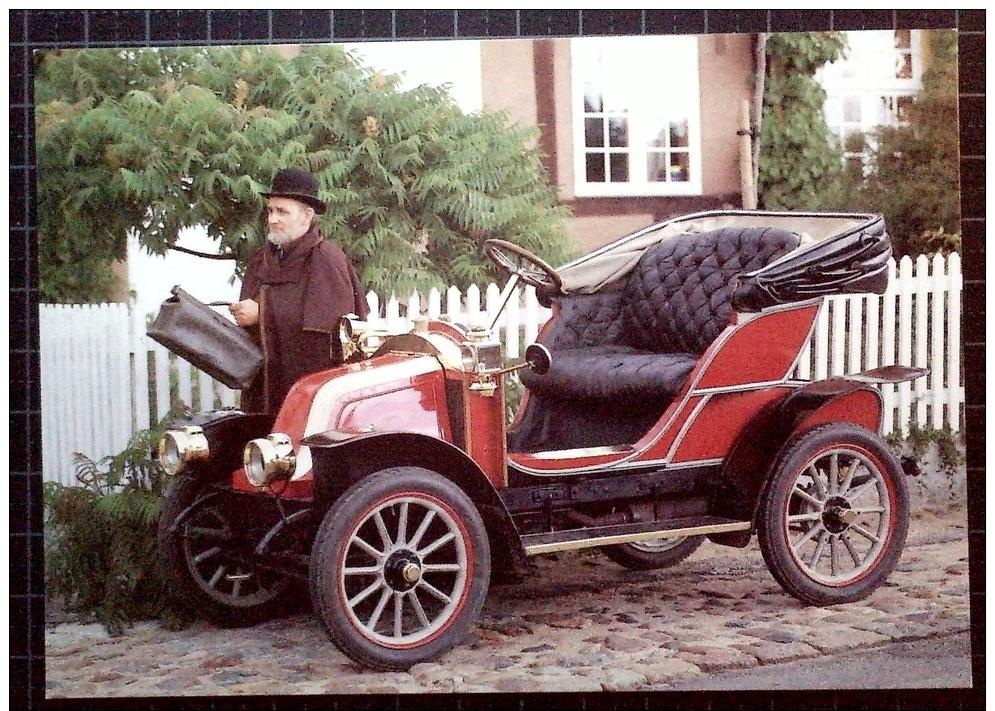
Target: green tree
(154, 140)
(800, 160)
(914, 174)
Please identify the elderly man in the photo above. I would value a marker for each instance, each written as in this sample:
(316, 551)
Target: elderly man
(295, 290)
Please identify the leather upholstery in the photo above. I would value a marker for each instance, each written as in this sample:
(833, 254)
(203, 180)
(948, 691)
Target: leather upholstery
(613, 372)
(640, 339)
(679, 297)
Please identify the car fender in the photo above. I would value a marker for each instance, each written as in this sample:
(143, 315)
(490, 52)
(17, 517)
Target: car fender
(340, 459)
(749, 464)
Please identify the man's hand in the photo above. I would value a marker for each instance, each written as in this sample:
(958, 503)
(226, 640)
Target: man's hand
(246, 312)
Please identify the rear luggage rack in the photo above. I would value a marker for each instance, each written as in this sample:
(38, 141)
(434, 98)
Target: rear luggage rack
(575, 538)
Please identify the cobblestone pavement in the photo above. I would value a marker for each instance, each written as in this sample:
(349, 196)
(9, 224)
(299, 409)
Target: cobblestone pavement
(579, 623)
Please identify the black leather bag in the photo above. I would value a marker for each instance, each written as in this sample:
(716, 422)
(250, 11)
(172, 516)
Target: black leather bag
(194, 331)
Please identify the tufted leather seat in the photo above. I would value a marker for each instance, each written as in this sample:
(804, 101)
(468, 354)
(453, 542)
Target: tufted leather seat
(640, 339)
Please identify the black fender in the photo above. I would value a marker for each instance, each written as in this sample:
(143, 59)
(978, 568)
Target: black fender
(227, 432)
(340, 459)
(736, 491)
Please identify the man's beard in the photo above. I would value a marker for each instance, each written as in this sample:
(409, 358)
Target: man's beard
(280, 239)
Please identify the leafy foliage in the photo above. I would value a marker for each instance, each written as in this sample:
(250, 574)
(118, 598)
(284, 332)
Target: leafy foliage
(914, 171)
(155, 140)
(799, 160)
(918, 441)
(101, 537)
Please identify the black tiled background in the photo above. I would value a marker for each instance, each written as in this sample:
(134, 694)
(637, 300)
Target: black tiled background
(31, 30)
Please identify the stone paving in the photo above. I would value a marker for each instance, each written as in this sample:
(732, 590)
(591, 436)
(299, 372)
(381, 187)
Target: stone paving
(579, 623)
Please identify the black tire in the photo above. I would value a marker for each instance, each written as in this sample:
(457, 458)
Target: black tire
(354, 607)
(655, 554)
(862, 518)
(250, 597)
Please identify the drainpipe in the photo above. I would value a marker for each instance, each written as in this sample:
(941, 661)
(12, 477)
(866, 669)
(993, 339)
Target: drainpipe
(760, 80)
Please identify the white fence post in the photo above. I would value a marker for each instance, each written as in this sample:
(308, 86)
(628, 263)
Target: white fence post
(855, 331)
(955, 392)
(920, 335)
(905, 341)
(937, 283)
(888, 346)
(512, 324)
(434, 303)
(473, 305)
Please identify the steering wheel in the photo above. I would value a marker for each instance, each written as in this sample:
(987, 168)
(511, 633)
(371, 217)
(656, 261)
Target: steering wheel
(519, 261)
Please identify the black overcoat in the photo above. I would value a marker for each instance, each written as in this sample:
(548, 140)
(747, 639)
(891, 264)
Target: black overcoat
(302, 292)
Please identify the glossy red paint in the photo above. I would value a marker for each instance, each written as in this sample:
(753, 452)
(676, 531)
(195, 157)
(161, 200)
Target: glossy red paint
(411, 403)
(759, 350)
(861, 407)
(719, 422)
(533, 462)
(483, 425)
(418, 405)
(670, 424)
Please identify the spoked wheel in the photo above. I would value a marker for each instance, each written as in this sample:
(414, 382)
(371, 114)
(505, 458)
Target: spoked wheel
(399, 568)
(654, 554)
(200, 555)
(834, 515)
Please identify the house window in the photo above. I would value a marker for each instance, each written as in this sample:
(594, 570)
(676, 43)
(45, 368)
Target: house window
(634, 135)
(873, 86)
(903, 54)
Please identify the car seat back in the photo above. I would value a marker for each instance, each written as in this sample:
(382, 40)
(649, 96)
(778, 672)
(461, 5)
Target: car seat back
(678, 297)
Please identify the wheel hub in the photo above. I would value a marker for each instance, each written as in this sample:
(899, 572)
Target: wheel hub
(402, 570)
(837, 514)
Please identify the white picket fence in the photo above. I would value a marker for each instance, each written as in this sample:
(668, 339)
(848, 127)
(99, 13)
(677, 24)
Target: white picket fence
(103, 379)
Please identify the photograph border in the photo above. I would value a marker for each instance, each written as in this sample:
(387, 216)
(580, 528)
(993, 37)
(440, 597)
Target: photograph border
(31, 30)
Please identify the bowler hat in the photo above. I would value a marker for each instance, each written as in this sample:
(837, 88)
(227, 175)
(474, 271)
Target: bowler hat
(298, 185)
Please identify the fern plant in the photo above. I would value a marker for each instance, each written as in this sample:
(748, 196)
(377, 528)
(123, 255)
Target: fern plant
(100, 552)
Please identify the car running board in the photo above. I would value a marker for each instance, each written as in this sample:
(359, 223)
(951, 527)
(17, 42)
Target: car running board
(536, 543)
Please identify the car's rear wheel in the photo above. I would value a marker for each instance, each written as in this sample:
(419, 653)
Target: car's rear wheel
(198, 545)
(834, 515)
(400, 568)
(654, 554)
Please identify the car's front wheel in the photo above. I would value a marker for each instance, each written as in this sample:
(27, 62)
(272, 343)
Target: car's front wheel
(654, 554)
(834, 515)
(400, 568)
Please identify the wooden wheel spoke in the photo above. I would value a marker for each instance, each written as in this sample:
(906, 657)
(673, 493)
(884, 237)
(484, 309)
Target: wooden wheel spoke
(434, 591)
(402, 524)
(431, 548)
(382, 530)
(802, 494)
(366, 547)
(865, 533)
(442, 567)
(378, 610)
(817, 480)
(854, 556)
(365, 593)
(813, 561)
(809, 534)
(206, 554)
(419, 610)
(398, 614)
(416, 539)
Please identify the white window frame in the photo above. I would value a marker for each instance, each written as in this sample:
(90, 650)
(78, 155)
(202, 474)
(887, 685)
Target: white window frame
(688, 47)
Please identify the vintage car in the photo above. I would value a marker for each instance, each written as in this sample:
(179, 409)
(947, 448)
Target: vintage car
(660, 409)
